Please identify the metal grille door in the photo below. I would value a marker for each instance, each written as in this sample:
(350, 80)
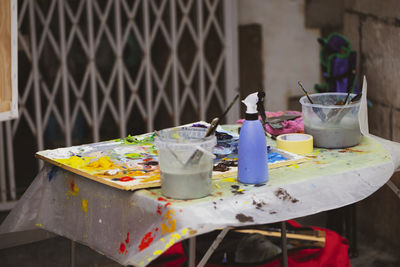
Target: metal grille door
(95, 70)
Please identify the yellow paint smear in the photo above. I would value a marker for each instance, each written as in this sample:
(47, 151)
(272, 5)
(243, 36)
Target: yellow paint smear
(74, 161)
(230, 180)
(168, 215)
(169, 244)
(158, 252)
(316, 152)
(174, 237)
(102, 163)
(168, 227)
(38, 225)
(136, 173)
(155, 177)
(184, 231)
(84, 205)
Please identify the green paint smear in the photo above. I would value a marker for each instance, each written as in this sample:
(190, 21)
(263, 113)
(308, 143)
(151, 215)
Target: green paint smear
(133, 155)
(131, 140)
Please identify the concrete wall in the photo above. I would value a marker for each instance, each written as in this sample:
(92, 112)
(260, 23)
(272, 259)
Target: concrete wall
(374, 30)
(290, 51)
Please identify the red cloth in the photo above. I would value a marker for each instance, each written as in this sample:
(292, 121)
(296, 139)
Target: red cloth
(334, 254)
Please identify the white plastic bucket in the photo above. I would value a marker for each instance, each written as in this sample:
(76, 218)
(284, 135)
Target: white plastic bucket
(182, 176)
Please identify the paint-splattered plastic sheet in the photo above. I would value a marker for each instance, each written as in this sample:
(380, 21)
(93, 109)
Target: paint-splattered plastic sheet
(131, 163)
(134, 228)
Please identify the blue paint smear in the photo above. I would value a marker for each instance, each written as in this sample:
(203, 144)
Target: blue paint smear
(275, 156)
(52, 173)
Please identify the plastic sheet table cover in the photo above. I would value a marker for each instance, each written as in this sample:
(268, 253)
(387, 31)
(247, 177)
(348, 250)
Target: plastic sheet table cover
(136, 227)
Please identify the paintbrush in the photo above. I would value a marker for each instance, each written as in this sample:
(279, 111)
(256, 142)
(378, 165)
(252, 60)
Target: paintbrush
(347, 97)
(215, 122)
(343, 111)
(341, 102)
(316, 110)
(305, 92)
(334, 111)
(356, 98)
(195, 157)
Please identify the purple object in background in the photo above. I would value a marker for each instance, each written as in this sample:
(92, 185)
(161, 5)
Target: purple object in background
(338, 62)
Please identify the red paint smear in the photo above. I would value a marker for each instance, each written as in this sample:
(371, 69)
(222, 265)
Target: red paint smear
(148, 159)
(126, 179)
(122, 248)
(167, 204)
(159, 209)
(156, 229)
(127, 238)
(72, 185)
(146, 241)
(180, 210)
(162, 199)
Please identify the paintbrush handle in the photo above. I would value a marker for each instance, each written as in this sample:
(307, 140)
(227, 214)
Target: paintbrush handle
(347, 97)
(197, 154)
(211, 130)
(213, 127)
(356, 98)
(304, 90)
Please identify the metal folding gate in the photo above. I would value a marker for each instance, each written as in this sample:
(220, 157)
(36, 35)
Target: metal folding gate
(93, 70)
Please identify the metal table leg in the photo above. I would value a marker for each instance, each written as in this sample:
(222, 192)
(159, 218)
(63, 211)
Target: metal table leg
(284, 244)
(73, 257)
(353, 250)
(213, 246)
(192, 252)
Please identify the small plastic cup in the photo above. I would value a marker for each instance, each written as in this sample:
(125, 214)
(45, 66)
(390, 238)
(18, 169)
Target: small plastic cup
(331, 125)
(186, 162)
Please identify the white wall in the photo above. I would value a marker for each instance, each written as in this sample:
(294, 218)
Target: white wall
(290, 51)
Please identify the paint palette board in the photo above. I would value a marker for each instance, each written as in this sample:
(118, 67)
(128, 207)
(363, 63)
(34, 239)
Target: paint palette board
(131, 163)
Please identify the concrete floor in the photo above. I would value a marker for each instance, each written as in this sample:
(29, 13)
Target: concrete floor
(57, 252)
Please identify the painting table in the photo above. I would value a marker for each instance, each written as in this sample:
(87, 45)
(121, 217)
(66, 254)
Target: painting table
(134, 228)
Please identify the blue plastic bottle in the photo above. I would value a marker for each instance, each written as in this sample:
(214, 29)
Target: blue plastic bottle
(253, 159)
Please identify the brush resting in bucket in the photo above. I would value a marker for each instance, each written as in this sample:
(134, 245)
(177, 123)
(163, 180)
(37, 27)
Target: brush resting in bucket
(340, 127)
(185, 181)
